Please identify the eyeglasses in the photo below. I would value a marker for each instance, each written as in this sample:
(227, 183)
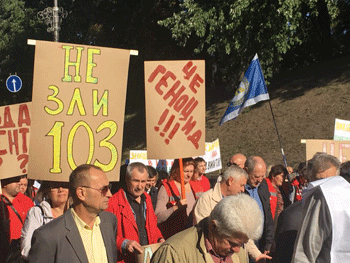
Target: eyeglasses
(56, 188)
(103, 190)
(230, 164)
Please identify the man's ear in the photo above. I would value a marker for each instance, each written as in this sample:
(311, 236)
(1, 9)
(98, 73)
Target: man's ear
(229, 181)
(80, 193)
(213, 224)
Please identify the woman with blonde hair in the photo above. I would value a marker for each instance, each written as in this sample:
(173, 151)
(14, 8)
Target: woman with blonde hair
(52, 198)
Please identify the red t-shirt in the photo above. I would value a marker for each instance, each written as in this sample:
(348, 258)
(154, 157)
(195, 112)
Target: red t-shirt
(22, 204)
(201, 185)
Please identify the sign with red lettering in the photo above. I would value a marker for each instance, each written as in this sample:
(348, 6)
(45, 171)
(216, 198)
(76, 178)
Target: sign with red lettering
(175, 108)
(78, 109)
(14, 139)
(339, 149)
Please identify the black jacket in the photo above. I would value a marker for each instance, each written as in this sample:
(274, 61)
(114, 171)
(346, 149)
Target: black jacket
(266, 239)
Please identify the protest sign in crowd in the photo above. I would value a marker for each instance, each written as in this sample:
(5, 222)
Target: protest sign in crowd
(66, 196)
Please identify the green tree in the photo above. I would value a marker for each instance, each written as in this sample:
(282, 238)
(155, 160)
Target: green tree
(17, 23)
(230, 32)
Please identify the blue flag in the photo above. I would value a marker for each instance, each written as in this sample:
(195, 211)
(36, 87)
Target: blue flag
(251, 90)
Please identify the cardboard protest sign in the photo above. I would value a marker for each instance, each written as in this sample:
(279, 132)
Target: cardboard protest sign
(175, 108)
(212, 156)
(159, 164)
(342, 130)
(147, 254)
(339, 149)
(78, 109)
(15, 122)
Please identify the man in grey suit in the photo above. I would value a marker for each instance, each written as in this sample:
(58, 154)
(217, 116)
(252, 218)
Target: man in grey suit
(84, 233)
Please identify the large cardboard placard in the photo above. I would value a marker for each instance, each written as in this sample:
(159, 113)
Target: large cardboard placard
(342, 130)
(78, 109)
(175, 108)
(339, 149)
(14, 139)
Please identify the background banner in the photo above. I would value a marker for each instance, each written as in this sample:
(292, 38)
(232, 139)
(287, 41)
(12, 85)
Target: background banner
(339, 149)
(342, 130)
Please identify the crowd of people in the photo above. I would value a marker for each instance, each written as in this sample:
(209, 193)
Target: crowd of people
(251, 212)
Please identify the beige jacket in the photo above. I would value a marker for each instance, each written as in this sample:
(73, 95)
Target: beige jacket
(205, 204)
(188, 246)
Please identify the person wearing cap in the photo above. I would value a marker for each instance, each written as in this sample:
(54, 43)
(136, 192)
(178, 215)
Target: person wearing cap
(13, 207)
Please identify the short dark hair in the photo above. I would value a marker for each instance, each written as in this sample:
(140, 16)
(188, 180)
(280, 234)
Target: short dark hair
(152, 172)
(199, 160)
(276, 170)
(345, 169)
(80, 177)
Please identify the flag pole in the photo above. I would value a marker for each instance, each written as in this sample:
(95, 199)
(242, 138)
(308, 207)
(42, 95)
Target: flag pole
(278, 135)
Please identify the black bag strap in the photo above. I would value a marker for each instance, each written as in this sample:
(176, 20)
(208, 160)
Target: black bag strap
(3, 212)
(177, 199)
(7, 202)
(42, 213)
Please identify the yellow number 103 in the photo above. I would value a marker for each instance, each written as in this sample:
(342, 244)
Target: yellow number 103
(56, 133)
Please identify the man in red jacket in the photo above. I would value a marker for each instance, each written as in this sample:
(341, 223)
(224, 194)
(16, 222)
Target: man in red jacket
(16, 207)
(137, 222)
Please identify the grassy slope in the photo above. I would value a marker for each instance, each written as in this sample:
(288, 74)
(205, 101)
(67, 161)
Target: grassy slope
(305, 103)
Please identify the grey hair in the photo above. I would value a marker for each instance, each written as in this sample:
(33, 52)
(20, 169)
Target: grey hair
(137, 165)
(321, 162)
(235, 172)
(238, 214)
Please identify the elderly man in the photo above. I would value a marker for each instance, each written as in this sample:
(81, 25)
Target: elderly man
(84, 233)
(238, 159)
(217, 238)
(322, 165)
(257, 188)
(324, 230)
(232, 182)
(137, 222)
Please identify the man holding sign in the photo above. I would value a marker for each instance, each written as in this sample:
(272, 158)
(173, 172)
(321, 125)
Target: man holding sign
(137, 223)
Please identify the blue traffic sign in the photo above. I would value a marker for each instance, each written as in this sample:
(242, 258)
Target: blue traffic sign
(14, 83)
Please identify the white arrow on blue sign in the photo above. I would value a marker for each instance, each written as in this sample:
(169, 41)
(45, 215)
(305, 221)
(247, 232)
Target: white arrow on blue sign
(14, 83)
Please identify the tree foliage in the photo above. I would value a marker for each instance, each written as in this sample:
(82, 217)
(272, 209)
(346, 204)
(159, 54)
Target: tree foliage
(232, 31)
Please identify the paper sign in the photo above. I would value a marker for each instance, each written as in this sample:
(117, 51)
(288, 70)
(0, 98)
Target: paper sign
(342, 130)
(212, 156)
(78, 109)
(339, 149)
(147, 254)
(15, 121)
(159, 164)
(175, 108)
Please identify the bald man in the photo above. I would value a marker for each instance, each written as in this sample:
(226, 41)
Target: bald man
(257, 188)
(238, 159)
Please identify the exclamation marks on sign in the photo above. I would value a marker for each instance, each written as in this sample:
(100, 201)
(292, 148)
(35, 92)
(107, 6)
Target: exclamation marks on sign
(167, 126)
